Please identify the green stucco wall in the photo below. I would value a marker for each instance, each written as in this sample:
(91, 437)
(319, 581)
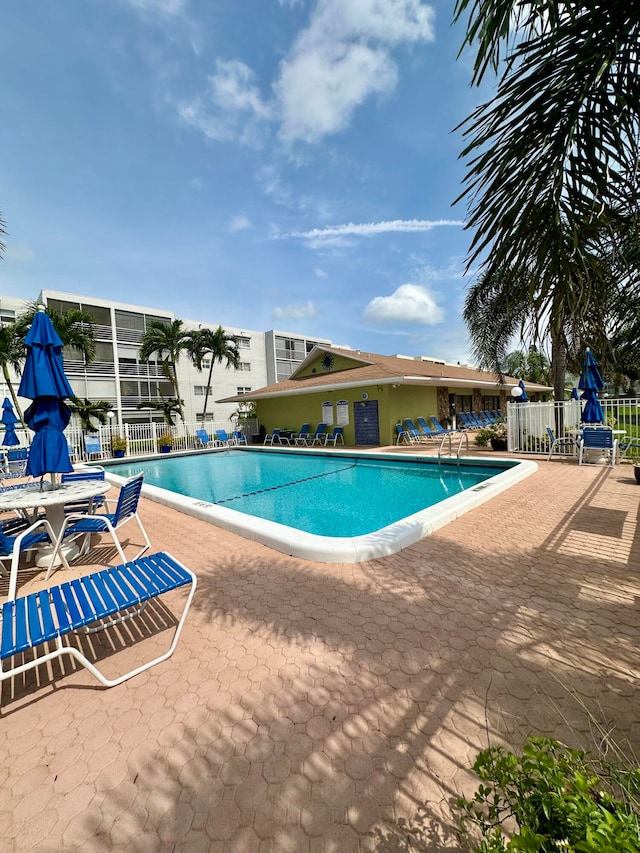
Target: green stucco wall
(394, 404)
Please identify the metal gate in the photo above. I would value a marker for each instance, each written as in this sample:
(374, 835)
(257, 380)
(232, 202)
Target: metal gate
(365, 421)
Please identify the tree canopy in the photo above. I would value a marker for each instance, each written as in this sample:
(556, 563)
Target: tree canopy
(557, 149)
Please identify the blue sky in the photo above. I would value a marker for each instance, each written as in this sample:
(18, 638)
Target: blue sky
(285, 164)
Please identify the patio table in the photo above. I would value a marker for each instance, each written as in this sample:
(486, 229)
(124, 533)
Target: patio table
(31, 498)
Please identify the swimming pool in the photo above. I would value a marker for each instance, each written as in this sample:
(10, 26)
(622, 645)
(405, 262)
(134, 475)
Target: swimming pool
(340, 506)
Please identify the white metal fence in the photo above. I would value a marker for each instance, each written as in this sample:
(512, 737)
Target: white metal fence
(143, 439)
(527, 422)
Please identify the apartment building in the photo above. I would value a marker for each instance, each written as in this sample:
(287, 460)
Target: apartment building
(118, 376)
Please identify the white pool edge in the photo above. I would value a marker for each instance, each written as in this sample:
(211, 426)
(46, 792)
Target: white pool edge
(341, 549)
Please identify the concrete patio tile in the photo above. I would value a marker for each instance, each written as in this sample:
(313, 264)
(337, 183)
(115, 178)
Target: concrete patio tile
(309, 705)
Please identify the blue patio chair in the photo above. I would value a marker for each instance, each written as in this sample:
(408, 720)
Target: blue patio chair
(93, 446)
(438, 429)
(598, 439)
(203, 439)
(335, 436)
(403, 436)
(222, 439)
(238, 437)
(319, 435)
(560, 445)
(414, 432)
(302, 437)
(17, 536)
(276, 437)
(489, 418)
(466, 420)
(81, 524)
(80, 476)
(14, 463)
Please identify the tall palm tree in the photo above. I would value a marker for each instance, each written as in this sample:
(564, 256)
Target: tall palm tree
(74, 327)
(167, 341)
(219, 347)
(560, 141)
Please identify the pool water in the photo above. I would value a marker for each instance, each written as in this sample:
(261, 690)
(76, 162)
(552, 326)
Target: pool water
(326, 495)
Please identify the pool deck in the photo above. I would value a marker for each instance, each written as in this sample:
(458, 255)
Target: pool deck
(315, 707)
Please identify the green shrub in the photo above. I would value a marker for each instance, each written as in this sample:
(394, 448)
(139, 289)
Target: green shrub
(552, 798)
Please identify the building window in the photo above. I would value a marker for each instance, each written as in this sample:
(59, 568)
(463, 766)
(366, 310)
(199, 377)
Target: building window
(243, 343)
(490, 403)
(243, 389)
(244, 365)
(464, 403)
(206, 363)
(200, 390)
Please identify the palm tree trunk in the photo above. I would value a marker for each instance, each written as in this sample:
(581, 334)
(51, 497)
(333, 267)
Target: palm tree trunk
(559, 373)
(206, 393)
(12, 391)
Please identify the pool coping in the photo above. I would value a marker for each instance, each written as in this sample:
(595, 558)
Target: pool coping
(340, 549)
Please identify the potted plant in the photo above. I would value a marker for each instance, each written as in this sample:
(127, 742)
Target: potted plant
(118, 446)
(495, 435)
(165, 442)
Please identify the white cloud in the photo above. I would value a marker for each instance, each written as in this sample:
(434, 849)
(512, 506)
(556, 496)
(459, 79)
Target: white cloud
(295, 312)
(196, 184)
(231, 108)
(411, 303)
(21, 253)
(370, 229)
(320, 273)
(319, 90)
(339, 61)
(239, 223)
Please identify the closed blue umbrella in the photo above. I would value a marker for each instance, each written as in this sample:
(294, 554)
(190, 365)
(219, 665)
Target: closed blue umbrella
(590, 383)
(574, 393)
(44, 381)
(9, 420)
(523, 397)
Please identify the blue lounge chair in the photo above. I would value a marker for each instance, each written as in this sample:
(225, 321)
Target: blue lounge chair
(415, 433)
(276, 437)
(203, 438)
(93, 602)
(126, 510)
(403, 436)
(238, 437)
(319, 435)
(302, 437)
(222, 439)
(438, 428)
(560, 445)
(335, 436)
(598, 439)
(467, 422)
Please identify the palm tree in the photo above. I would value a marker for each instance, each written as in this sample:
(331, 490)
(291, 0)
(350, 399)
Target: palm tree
(167, 407)
(218, 346)
(90, 411)
(167, 341)
(560, 140)
(74, 327)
